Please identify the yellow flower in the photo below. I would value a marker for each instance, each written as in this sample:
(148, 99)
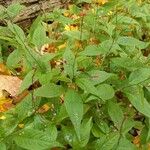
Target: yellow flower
(93, 11)
(2, 118)
(101, 2)
(62, 46)
(139, 2)
(66, 14)
(44, 108)
(110, 13)
(21, 125)
(72, 27)
(74, 17)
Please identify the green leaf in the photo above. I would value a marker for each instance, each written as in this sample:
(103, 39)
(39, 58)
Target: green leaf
(125, 19)
(115, 112)
(2, 146)
(127, 125)
(127, 63)
(34, 139)
(49, 90)
(74, 107)
(85, 132)
(107, 142)
(39, 36)
(62, 114)
(14, 9)
(98, 77)
(52, 131)
(76, 35)
(125, 144)
(147, 93)
(109, 46)
(25, 108)
(105, 91)
(139, 76)
(69, 135)
(87, 86)
(34, 25)
(136, 97)
(14, 58)
(27, 81)
(91, 50)
(70, 67)
(18, 33)
(130, 41)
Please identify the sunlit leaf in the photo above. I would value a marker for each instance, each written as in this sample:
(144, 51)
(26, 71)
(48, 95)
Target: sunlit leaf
(74, 107)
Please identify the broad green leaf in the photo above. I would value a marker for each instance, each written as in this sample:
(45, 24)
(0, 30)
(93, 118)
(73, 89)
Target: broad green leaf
(103, 48)
(130, 41)
(34, 139)
(144, 135)
(76, 35)
(68, 134)
(109, 46)
(62, 114)
(110, 29)
(70, 67)
(98, 77)
(27, 81)
(115, 113)
(2, 146)
(47, 57)
(18, 33)
(125, 20)
(87, 86)
(25, 108)
(39, 36)
(65, 20)
(136, 97)
(96, 131)
(105, 91)
(85, 132)
(127, 125)
(107, 142)
(125, 144)
(127, 63)
(8, 125)
(13, 59)
(139, 76)
(91, 50)
(103, 126)
(74, 107)
(51, 130)
(147, 93)
(14, 9)
(49, 90)
(34, 25)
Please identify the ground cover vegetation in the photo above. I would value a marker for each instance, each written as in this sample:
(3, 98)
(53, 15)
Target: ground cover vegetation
(84, 72)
